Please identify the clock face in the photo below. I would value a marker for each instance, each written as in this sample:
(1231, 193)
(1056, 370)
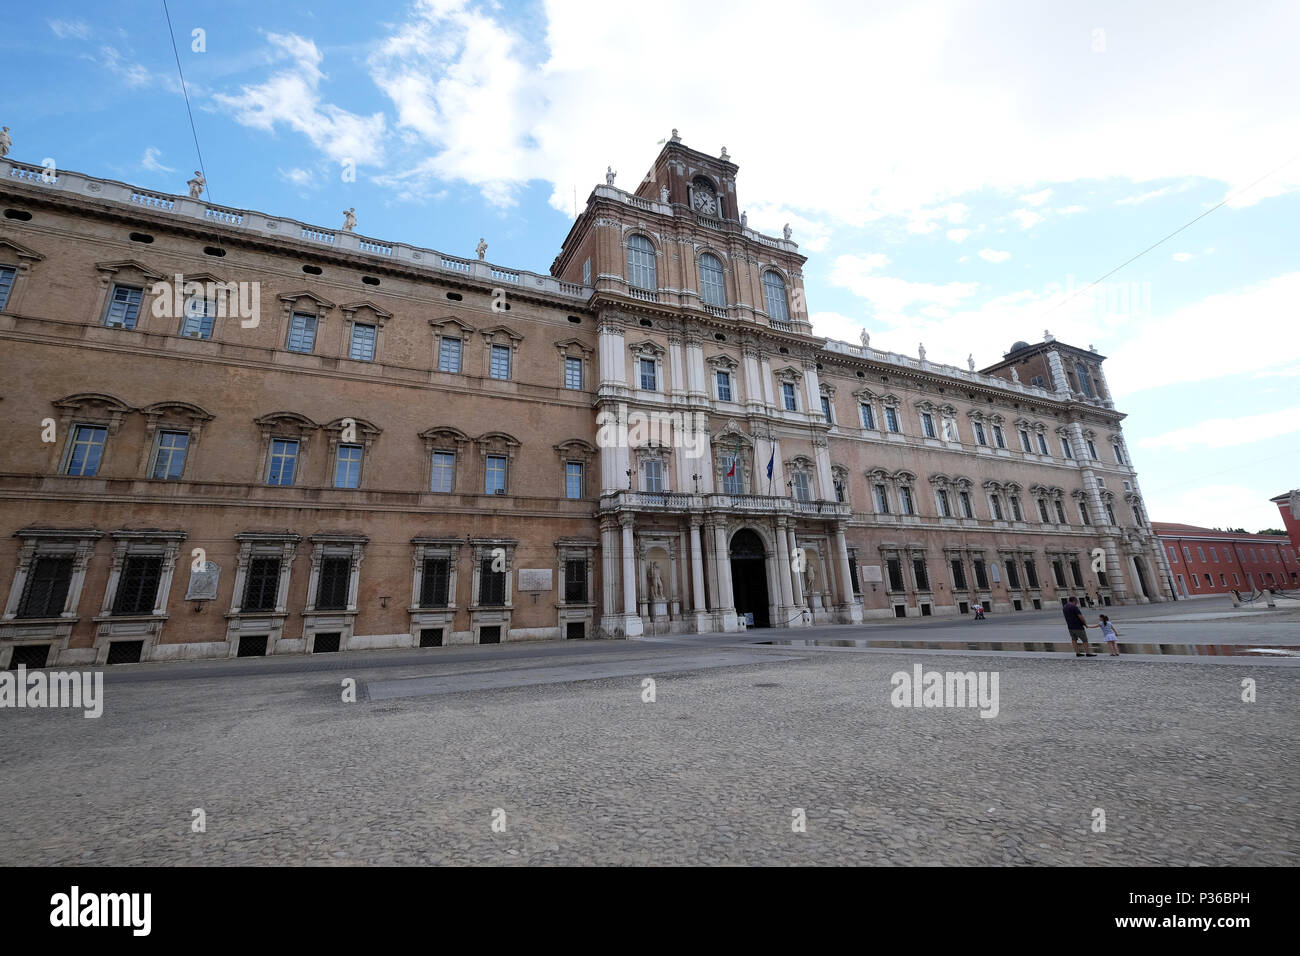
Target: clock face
(705, 203)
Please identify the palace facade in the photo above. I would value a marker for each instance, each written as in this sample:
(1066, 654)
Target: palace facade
(229, 433)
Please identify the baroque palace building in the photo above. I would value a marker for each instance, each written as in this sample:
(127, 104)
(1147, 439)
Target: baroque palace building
(229, 433)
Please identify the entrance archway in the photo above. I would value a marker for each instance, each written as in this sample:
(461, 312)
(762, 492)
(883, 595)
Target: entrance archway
(1140, 566)
(749, 576)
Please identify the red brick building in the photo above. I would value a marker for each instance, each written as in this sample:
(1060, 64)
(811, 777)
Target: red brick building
(1204, 561)
(1288, 504)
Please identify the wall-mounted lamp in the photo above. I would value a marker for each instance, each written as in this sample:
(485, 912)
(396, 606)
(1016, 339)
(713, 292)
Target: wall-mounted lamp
(383, 600)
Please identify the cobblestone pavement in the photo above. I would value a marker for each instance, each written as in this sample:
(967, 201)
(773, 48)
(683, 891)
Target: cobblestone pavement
(711, 772)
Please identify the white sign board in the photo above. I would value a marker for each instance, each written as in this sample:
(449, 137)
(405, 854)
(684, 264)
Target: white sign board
(203, 584)
(534, 579)
(871, 574)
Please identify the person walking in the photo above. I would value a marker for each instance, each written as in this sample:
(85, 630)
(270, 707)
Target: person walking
(1108, 631)
(979, 611)
(1078, 628)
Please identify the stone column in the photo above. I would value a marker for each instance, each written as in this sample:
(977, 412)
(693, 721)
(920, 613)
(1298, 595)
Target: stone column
(846, 580)
(697, 568)
(796, 575)
(631, 620)
(726, 598)
(786, 596)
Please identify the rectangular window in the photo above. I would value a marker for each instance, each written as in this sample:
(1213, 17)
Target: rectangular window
(494, 475)
(1173, 555)
(1042, 444)
(6, 284)
(1013, 573)
(921, 573)
(87, 450)
(801, 491)
(1024, 441)
(448, 354)
(123, 306)
(1236, 581)
(891, 419)
(1031, 573)
(284, 461)
(499, 365)
(302, 332)
(1060, 512)
(826, 408)
(434, 582)
(905, 499)
(995, 505)
(586, 272)
(200, 317)
(573, 373)
(724, 386)
(895, 574)
(334, 583)
(1083, 513)
(654, 477)
(362, 348)
(927, 425)
(950, 430)
(263, 584)
(169, 458)
(839, 491)
(1092, 450)
(1187, 552)
(347, 467)
(868, 416)
(649, 380)
(1016, 513)
(575, 581)
(1065, 448)
(967, 511)
(1042, 512)
(882, 500)
(573, 479)
(1214, 555)
(945, 507)
(1058, 573)
(444, 471)
(1201, 551)
(733, 481)
(958, 574)
(1076, 572)
(787, 395)
(999, 439)
(1223, 581)
(46, 590)
(491, 585)
(981, 573)
(1196, 581)
(1119, 453)
(979, 434)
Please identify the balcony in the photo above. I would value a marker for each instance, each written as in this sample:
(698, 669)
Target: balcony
(683, 502)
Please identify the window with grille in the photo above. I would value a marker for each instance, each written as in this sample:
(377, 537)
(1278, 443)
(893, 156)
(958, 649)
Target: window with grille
(573, 479)
(1092, 450)
(998, 438)
(1110, 513)
(1060, 512)
(1024, 441)
(169, 459)
(123, 306)
(649, 380)
(788, 398)
(500, 362)
(87, 450)
(641, 273)
(724, 386)
(891, 419)
(1083, 514)
(945, 507)
(1065, 448)
(927, 425)
(137, 586)
(494, 477)
(263, 584)
(1042, 444)
(491, 585)
(981, 573)
(1076, 572)
(347, 467)
(575, 581)
(711, 289)
(868, 416)
(774, 296)
(434, 583)
(895, 568)
(333, 585)
(200, 317)
(573, 373)
(922, 574)
(448, 354)
(283, 463)
(1042, 511)
(1058, 574)
(826, 408)
(444, 470)
(46, 590)
(362, 348)
(958, 574)
(996, 504)
(7, 275)
(1013, 573)
(906, 500)
(967, 511)
(1016, 513)
(1031, 573)
(302, 332)
(979, 434)
(882, 499)
(1119, 454)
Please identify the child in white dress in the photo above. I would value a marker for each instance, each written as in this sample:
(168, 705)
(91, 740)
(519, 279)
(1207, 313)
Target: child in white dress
(1109, 633)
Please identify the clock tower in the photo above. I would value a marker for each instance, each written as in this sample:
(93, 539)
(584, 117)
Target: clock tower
(707, 184)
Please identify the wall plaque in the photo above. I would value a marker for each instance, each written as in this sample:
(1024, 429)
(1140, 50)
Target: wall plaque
(534, 579)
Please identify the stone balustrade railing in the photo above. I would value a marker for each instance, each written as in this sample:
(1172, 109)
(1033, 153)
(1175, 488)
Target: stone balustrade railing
(252, 222)
(948, 371)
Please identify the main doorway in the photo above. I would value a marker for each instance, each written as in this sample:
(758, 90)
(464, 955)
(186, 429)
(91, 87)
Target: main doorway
(749, 576)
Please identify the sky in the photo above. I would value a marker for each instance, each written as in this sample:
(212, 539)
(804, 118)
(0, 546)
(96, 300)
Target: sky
(958, 173)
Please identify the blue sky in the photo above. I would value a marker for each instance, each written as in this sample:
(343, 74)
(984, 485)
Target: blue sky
(952, 170)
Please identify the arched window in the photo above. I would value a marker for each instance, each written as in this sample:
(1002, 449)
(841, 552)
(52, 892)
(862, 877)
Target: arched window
(1085, 382)
(641, 263)
(711, 289)
(774, 294)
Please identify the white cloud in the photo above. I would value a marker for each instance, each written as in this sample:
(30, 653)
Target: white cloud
(1038, 198)
(298, 176)
(291, 97)
(77, 29)
(1216, 506)
(1290, 372)
(959, 235)
(1069, 210)
(1027, 218)
(994, 255)
(152, 160)
(1181, 256)
(1228, 432)
(1144, 197)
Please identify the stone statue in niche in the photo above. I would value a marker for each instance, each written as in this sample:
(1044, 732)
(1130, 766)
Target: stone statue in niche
(810, 574)
(481, 248)
(656, 582)
(203, 584)
(197, 185)
(349, 219)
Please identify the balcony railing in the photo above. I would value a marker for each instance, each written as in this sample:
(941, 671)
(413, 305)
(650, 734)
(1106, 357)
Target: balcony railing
(751, 504)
